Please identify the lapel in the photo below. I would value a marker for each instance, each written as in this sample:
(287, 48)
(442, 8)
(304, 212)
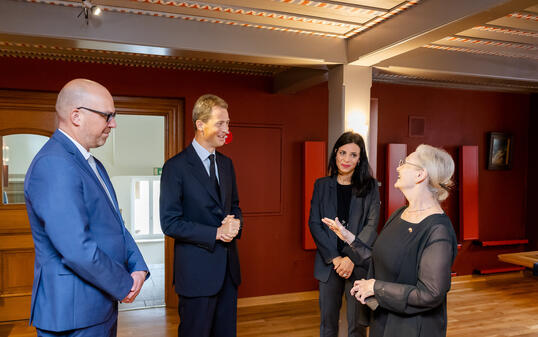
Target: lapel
(199, 172)
(354, 207)
(332, 206)
(104, 175)
(333, 198)
(85, 166)
(224, 182)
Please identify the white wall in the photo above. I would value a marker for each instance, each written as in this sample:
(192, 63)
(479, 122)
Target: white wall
(132, 150)
(135, 147)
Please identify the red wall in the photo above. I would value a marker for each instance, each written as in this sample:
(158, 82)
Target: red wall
(272, 127)
(272, 259)
(464, 117)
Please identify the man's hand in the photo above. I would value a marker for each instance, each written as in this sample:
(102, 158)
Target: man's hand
(138, 281)
(229, 228)
(345, 267)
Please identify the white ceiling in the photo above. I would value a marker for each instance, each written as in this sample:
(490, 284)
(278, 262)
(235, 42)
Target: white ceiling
(486, 42)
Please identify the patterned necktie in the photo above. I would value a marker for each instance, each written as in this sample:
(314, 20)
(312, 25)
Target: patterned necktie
(213, 174)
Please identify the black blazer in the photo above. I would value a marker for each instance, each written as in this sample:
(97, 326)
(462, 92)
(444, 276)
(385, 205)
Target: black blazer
(191, 212)
(363, 224)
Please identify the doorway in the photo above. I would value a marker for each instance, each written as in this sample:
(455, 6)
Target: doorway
(27, 119)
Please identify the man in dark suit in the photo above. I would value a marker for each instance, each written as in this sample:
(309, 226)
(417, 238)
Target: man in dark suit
(85, 259)
(199, 208)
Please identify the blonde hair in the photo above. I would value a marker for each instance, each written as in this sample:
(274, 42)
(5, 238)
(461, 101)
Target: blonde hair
(204, 105)
(440, 167)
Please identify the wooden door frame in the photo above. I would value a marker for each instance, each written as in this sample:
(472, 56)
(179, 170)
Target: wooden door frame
(174, 128)
(40, 118)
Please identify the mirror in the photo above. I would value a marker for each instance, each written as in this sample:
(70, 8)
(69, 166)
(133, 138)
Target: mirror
(18, 150)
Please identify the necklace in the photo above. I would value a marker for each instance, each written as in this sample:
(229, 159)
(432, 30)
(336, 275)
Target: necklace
(418, 210)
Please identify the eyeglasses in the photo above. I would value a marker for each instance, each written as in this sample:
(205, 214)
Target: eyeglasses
(107, 115)
(404, 161)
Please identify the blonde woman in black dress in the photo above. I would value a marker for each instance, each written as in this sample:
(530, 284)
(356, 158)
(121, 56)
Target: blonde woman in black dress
(411, 260)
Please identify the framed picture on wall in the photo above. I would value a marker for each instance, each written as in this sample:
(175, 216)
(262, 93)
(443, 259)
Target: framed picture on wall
(500, 151)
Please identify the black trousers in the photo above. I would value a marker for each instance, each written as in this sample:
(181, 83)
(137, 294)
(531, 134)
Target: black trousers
(330, 301)
(213, 316)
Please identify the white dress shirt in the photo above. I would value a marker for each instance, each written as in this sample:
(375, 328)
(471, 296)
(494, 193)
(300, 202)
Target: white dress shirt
(204, 157)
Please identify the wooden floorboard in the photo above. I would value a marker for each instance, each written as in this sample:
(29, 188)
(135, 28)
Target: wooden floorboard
(478, 306)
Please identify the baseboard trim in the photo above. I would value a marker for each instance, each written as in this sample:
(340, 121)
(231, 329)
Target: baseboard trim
(278, 298)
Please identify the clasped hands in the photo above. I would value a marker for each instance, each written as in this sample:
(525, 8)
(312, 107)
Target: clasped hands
(138, 281)
(343, 266)
(229, 229)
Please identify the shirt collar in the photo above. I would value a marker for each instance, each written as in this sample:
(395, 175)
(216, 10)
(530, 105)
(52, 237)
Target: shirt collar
(200, 150)
(81, 148)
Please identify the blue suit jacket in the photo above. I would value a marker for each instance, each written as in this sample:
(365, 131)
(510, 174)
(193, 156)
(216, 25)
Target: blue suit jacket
(83, 254)
(190, 212)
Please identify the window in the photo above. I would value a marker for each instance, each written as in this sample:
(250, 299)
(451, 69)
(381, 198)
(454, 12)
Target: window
(17, 150)
(145, 220)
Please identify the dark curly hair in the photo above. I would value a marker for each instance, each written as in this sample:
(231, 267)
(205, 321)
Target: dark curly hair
(362, 179)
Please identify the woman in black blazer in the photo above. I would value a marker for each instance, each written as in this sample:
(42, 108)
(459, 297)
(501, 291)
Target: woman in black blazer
(351, 194)
(412, 257)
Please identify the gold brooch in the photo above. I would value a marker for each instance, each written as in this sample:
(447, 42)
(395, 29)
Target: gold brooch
(410, 230)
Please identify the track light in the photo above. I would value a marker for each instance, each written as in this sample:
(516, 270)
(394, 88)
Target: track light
(87, 8)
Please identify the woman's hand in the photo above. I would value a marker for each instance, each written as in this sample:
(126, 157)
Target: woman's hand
(363, 289)
(339, 230)
(344, 268)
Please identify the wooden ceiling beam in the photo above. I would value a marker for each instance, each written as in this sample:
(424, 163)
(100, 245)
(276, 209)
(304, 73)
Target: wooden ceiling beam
(162, 36)
(430, 21)
(307, 11)
(221, 11)
(446, 64)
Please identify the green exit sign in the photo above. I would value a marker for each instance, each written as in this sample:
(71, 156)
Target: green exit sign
(157, 171)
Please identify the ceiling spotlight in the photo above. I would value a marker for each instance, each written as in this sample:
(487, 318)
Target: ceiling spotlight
(96, 10)
(87, 8)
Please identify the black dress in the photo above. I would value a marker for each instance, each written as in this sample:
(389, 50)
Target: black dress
(411, 264)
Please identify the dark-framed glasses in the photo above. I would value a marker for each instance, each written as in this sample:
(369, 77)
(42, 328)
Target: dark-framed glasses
(404, 161)
(107, 115)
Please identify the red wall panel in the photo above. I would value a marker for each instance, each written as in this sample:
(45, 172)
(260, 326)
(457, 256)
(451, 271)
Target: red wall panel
(272, 258)
(394, 199)
(468, 187)
(314, 166)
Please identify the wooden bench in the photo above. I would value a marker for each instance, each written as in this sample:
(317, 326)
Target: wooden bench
(524, 259)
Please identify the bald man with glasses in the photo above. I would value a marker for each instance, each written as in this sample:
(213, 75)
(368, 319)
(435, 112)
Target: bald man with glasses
(85, 259)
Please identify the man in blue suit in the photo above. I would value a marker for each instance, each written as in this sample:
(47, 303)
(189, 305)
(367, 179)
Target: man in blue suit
(85, 259)
(199, 208)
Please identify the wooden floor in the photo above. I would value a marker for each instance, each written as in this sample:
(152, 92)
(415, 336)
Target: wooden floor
(478, 306)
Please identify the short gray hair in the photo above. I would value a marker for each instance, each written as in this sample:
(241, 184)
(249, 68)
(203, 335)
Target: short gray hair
(440, 167)
(204, 105)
